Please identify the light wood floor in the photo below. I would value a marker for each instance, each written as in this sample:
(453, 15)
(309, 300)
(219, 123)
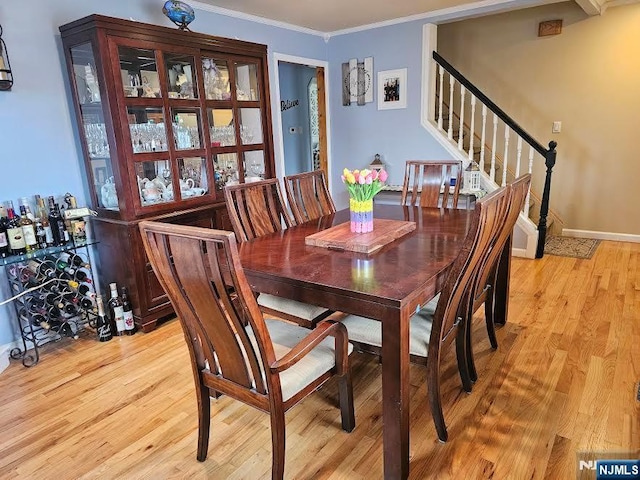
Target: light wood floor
(564, 379)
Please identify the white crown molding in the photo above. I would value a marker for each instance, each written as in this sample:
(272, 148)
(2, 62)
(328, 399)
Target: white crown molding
(257, 19)
(591, 7)
(458, 12)
(437, 16)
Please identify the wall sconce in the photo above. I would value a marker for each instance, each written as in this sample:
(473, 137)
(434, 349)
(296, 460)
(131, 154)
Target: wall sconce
(6, 77)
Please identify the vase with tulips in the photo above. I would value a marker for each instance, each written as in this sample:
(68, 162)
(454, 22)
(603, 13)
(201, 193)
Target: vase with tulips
(363, 185)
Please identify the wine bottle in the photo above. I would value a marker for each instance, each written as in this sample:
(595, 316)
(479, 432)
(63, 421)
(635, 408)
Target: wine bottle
(66, 330)
(28, 230)
(84, 302)
(14, 232)
(39, 320)
(42, 268)
(116, 309)
(86, 291)
(70, 309)
(73, 259)
(81, 276)
(129, 324)
(103, 326)
(42, 215)
(5, 251)
(53, 312)
(58, 228)
(24, 202)
(64, 267)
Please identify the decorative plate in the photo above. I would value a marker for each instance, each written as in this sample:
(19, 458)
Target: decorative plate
(179, 13)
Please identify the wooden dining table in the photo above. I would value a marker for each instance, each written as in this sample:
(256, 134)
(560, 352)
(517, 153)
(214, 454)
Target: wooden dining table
(387, 285)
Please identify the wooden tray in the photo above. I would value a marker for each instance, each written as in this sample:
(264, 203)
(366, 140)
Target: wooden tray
(340, 237)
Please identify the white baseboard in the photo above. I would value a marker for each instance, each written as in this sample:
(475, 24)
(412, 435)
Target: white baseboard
(4, 355)
(519, 252)
(617, 237)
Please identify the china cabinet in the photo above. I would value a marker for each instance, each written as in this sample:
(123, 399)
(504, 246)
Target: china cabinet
(166, 118)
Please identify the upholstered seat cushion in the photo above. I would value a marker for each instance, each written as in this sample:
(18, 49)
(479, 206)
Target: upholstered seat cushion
(285, 305)
(321, 359)
(369, 332)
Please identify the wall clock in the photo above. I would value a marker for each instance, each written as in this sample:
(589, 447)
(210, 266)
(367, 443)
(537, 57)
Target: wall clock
(357, 81)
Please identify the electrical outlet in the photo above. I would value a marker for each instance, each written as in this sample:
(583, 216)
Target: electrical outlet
(557, 127)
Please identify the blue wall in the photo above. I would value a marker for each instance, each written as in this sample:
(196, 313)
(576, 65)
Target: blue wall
(39, 148)
(359, 132)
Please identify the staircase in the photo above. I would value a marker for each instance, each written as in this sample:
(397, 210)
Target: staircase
(476, 129)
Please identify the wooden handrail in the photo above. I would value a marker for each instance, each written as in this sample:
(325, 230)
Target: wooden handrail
(492, 106)
(549, 154)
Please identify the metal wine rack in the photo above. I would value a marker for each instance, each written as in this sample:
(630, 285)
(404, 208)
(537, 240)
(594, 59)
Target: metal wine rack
(36, 326)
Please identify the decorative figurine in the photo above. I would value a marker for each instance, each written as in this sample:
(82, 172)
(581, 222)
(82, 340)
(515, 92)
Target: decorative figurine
(179, 13)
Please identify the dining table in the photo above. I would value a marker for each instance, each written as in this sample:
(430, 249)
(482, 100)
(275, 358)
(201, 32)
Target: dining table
(388, 285)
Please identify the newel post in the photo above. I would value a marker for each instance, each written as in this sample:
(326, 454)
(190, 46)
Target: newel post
(550, 161)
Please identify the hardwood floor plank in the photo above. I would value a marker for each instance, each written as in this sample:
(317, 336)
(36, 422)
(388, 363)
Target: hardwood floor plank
(563, 380)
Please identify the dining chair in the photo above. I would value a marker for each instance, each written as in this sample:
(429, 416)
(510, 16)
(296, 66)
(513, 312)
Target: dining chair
(257, 209)
(432, 331)
(308, 195)
(483, 288)
(425, 180)
(267, 364)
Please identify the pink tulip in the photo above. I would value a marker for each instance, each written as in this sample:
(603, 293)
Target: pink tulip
(374, 174)
(361, 180)
(383, 176)
(369, 179)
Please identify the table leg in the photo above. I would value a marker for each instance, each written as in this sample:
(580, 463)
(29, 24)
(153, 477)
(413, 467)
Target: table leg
(395, 397)
(501, 297)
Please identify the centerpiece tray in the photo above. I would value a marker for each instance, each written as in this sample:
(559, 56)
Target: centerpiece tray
(340, 237)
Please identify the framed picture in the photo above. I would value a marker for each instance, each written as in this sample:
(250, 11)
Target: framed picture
(392, 89)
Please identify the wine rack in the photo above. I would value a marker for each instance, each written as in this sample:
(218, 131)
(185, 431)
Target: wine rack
(56, 296)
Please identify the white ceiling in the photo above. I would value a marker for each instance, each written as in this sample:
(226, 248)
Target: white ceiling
(332, 17)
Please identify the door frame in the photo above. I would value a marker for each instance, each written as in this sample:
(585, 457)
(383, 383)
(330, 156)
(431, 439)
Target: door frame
(277, 124)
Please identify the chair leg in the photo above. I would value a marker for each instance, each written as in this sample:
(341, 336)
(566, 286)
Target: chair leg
(488, 316)
(345, 390)
(204, 421)
(277, 443)
(471, 364)
(433, 385)
(461, 355)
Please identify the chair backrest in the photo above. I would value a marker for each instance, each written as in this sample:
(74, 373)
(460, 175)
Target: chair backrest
(518, 190)
(188, 262)
(425, 179)
(308, 195)
(489, 213)
(256, 209)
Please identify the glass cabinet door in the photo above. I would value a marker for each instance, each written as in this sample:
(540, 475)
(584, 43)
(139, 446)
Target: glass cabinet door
(216, 79)
(154, 182)
(186, 128)
(247, 82)
(94, 131)
(222, 127)
(226, 169)
(193, 177)
(139, 72)
(181, 78)
(250, 126)
(146, 126)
